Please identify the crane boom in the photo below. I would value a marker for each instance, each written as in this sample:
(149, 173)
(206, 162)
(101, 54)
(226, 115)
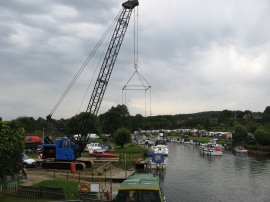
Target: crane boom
(103, 77)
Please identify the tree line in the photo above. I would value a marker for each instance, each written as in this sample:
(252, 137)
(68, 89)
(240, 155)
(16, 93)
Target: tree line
(248, 126)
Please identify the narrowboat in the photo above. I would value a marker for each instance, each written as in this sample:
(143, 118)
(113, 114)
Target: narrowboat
(140, 188)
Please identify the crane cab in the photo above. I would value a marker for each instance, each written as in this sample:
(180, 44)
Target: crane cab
(62, 150)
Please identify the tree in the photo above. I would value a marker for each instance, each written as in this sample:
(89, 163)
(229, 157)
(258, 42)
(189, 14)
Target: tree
(267, 110)
(11, 150)
(262, 136)
(266, 116)
(240, 134)
(28, 123)
(122, 136)
(115, 118)
(136, 122)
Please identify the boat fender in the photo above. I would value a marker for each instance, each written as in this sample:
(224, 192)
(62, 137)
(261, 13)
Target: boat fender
(85, 187)
(72, 167)
(107, 195)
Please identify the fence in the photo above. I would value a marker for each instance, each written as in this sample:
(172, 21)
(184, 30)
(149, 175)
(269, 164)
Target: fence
(33, 192)
(127, 159)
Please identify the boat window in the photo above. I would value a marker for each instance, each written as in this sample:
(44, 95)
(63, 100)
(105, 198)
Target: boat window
(147, 183)
(138, 196)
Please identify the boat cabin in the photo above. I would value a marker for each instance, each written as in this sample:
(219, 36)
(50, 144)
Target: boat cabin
(140, 188)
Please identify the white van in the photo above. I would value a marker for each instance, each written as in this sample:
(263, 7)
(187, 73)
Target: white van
(92, 136)
(29, 162)
(89, 136)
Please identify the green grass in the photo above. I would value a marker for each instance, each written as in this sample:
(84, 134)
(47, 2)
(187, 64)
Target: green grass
(129, 148)
(69, 187)
(32, 155)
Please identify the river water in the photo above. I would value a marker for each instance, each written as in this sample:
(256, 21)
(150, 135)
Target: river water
(191, 177)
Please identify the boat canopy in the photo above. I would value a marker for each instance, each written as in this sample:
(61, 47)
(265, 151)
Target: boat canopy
(140, 182)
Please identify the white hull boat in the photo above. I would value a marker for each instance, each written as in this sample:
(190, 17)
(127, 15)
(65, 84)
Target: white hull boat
(96, 147)
(215, 151)
(240, 149)
(158, 166)
(160, 149)
(186, 141)
(211, 148)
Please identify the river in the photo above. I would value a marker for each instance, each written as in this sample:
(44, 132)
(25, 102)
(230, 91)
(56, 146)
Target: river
(191, 177)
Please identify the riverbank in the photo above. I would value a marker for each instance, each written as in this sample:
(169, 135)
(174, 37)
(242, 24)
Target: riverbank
(258, 153)
(37, 175)
(107, 181)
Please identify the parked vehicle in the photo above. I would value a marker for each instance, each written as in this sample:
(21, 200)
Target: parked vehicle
(32, 143)
(29, 162)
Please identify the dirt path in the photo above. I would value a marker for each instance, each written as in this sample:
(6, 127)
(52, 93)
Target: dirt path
(36, 175)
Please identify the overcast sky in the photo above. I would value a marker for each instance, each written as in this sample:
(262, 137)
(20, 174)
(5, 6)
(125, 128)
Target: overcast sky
(197, 56)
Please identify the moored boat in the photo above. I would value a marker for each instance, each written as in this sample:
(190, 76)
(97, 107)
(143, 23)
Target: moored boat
(158, 161)
(186, 141)
(211, 148)
(101, 154)
(140, 188)
(240, 149)
(213, 151)
(160, 147)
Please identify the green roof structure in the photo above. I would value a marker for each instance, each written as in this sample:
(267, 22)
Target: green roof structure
(140, 182)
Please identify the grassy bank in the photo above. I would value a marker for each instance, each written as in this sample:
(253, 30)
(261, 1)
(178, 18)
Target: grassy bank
(69, 187)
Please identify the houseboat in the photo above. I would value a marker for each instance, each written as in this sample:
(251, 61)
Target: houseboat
(140, 188)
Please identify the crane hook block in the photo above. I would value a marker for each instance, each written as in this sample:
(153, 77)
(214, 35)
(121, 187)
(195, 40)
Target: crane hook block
(130, 4)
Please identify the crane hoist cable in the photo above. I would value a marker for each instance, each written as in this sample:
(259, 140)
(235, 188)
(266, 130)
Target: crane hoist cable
(136, 38)
(85, 63)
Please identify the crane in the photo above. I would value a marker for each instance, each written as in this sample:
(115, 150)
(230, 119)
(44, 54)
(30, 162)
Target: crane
(70, 148)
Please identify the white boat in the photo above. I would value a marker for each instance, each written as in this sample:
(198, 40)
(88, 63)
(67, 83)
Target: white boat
(211, 148)
(160, 147)
(96, 147)
(240, 149)
(173, 140)
(158, 166)
(213, 151)
(186, 141)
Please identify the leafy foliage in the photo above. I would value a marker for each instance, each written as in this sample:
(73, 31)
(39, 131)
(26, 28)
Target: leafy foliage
(11, 150)
(80, 123)
(262, 136)
(122, 136)
(240, 134)
(115, 118)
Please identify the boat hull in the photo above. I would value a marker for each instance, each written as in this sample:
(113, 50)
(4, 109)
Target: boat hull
(102, 155)
(240, 149)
